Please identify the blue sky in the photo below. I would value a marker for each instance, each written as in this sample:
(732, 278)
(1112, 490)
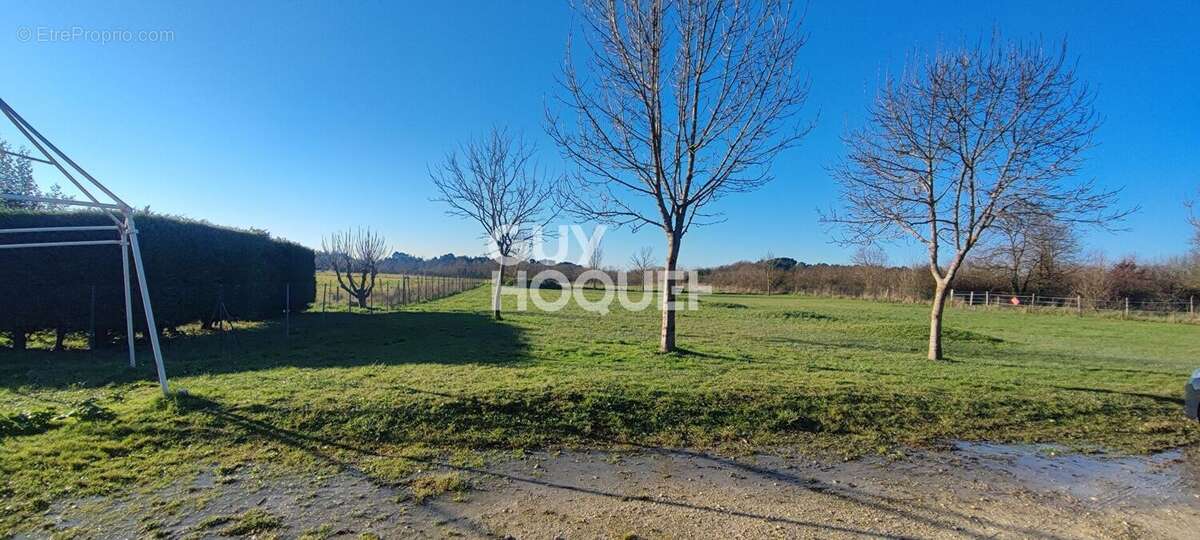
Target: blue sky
(302, 117)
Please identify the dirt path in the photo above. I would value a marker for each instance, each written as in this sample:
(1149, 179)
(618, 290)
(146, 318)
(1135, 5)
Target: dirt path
(974, 491)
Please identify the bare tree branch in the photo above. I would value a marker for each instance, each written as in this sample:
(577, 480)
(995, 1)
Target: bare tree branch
(495, 182)
(687, 101)
(966, 140)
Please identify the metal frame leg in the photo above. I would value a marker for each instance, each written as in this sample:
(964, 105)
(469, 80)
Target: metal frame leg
(151, 326)
(128, 299)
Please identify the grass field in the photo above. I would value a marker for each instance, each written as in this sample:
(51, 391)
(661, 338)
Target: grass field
(382, 391)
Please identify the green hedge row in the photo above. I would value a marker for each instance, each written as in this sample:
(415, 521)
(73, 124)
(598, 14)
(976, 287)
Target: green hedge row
(190, 266)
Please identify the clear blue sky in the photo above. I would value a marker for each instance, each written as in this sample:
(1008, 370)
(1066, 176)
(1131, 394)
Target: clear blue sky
(301, 117)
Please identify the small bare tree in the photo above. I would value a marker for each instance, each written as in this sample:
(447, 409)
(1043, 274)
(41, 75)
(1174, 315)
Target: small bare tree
(1194, 219)
(869, 261)
(688, 102)
(496, 183)
(641, 262)
(355, 256)
(962, 140)
(1033, 252)
(595, 257)
(768, 264)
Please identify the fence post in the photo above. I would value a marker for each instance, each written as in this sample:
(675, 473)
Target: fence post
(1192, 306)
(404, 292)
(972, 301)
(1126, 306)
(287, 309)
(92, 322)
(324, 297)
(1079, 304)
(987, 298)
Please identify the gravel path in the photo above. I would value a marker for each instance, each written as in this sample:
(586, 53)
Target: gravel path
(972, 491)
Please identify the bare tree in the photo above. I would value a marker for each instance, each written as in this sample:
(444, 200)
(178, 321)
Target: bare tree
(769, 266)
(1194, 219)
(963, 139)
(355, 256)
(641, 262)
(497, 183)
(595, 257)
(688, 101)
(869, 261)
(1033, 253)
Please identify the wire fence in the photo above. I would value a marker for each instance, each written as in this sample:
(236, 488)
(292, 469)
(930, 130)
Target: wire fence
(391, 291)
(1177, 308)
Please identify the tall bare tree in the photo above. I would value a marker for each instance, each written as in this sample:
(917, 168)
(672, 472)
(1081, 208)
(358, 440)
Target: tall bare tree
(963, 139)
(495, 181)
(687, 101)
(355, 256)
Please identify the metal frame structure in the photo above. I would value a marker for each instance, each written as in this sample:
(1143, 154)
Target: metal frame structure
(123, 225)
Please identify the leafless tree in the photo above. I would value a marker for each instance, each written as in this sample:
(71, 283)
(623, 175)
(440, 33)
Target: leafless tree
(355, 256)
(687, 101)
(641, 262)
(869, 261)
(1036, 252)
(963, 139)
(1194, 219)
(768, 264)
(595, 257)
(497, 183)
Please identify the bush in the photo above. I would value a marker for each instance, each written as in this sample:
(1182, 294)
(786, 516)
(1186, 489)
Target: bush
(189, 265)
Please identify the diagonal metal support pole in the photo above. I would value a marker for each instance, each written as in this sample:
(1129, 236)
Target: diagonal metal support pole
(151, 326)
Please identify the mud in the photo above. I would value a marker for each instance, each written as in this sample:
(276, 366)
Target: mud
(973, 491)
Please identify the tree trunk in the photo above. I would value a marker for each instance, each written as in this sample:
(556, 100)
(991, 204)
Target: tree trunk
(935, 321)
(20, 342)
(667, 342)
(496, 291)
(60, 335)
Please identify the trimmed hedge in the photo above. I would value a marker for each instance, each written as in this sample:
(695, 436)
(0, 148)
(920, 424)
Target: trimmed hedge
(189, 266)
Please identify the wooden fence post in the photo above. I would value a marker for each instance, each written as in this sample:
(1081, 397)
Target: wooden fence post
(1079, 304)
(1126, 306)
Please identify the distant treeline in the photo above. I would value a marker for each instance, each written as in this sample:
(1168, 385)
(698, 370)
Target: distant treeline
(191, 267)
(1096, 279)
(456, 266)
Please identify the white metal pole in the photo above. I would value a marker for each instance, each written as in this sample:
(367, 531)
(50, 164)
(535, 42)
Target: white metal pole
(151, 327)
(128, 299)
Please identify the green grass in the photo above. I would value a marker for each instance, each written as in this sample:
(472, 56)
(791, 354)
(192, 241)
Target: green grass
(387, 392)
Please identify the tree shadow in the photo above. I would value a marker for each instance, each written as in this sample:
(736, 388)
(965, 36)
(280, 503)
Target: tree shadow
(310, 340)
(335, 452)
(319, 448)
(1161, 399)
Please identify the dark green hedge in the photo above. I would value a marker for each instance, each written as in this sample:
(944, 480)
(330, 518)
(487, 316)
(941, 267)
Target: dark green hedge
(189, 266)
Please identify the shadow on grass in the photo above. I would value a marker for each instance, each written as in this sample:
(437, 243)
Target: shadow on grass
(315, 340)
(341, 454)
(1161, 399)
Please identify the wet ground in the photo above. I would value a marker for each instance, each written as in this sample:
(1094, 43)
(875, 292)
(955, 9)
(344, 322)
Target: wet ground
(972, 491)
